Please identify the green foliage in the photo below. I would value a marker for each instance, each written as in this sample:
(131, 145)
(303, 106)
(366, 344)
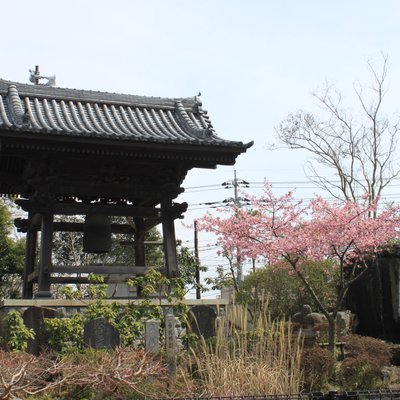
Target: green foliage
(69, 293)
(278, 286)
(155, 284)
(66, 333)
(16, 334)
(222, 279)
(12, 254)
(128, 321)
(317, 366)
(187, 264)
(97, 288)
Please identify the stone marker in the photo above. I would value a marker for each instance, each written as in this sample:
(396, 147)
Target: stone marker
(170, 342)
(34, 318)
(202, 321)
(99, 334)
(152, 336)
(344, 321)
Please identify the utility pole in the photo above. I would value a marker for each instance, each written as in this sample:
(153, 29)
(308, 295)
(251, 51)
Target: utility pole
(235, 189)
(235, 183)
(196, 255)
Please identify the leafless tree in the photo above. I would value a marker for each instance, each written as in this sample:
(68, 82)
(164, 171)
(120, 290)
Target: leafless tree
(113, 374)
(359, 147)
(108, 374)
(22, 374)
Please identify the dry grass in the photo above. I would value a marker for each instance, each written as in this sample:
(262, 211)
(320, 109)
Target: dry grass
(248, 357)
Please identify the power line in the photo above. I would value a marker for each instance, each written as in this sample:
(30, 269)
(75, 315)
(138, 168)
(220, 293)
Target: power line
(302, 182)
(288, 185)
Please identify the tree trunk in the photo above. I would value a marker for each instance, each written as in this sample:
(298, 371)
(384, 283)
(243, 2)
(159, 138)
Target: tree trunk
(332, 334)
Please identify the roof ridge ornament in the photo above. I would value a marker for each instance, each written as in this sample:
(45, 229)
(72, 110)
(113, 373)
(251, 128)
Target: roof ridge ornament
(19, 117)
(35, 78)
(198, 100)
(189, 124)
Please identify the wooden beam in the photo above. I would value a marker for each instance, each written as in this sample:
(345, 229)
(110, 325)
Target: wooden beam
(173, 211)
(85, 280)
(84, 209)
(22, 226)
(116, 190)
(146, 242)
(99, 269)
(94, 269)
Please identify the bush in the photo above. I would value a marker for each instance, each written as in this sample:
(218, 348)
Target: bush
(16, 334)
(317, 365)
(360, 373)
(365, 358)
(65, 333)
(282, 290)
(377, 349)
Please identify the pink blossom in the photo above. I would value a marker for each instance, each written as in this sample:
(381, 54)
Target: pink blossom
(275, 227)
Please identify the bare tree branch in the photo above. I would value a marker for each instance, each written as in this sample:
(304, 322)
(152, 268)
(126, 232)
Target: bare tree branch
(359, 148)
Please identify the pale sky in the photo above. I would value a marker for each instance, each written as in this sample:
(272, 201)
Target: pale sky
(253, 61)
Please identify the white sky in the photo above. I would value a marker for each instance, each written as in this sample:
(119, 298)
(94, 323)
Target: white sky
(254, 61)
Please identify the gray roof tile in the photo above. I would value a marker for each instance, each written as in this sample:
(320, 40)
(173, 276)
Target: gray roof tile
(83, 113)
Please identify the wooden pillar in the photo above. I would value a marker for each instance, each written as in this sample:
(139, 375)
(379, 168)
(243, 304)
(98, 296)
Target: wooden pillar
(30, 256)
(168, 228)
(140, 252)
(46, 246)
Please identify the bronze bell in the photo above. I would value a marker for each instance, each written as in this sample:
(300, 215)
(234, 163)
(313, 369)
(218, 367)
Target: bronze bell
(96, 234)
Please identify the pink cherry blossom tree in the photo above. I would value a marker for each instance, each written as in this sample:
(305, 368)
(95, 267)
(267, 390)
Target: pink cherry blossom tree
(279, 227)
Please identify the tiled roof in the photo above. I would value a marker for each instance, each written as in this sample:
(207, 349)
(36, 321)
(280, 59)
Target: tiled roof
(81, 113)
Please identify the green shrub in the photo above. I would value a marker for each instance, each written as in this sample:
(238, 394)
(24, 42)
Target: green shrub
(65, 333)
(16, 333)
(317, 366)
(282, 290)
